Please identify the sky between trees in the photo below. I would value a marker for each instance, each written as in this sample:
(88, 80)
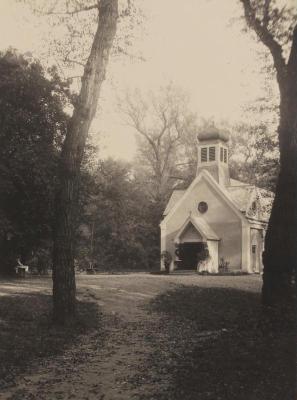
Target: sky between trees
(198, 45)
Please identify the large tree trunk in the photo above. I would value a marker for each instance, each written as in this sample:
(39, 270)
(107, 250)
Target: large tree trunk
(64, 289)
(280, 256)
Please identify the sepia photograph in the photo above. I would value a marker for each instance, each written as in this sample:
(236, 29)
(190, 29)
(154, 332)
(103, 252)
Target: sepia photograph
(148, 200)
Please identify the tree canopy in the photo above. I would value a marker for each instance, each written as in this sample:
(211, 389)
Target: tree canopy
(165, 128)
(33, 124)
(117, 230)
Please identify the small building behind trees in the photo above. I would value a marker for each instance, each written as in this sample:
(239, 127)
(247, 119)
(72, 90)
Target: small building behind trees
(216, 215)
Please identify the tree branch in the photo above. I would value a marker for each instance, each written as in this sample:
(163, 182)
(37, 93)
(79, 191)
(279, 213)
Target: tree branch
(76, 11)
(69, 60)
(292, 62)
(265, 37)
(136, 125)
(163, 130)
(177, 177)
(178, 130)
(165, 163)
(74, 77)
(266, 16)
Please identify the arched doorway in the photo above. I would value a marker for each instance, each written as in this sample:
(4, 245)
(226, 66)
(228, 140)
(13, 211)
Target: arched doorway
(192, 240)
(189, 254)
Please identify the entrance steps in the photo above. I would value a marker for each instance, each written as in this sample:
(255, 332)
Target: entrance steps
(183, 272)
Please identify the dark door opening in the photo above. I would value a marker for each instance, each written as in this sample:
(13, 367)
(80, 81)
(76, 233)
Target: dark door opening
(189, 254)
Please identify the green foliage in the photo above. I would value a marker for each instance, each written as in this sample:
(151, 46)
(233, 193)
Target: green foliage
(277, 17)
(254, 156)
(119, 227)
(71, 45)
(166, 258)
(32, 126)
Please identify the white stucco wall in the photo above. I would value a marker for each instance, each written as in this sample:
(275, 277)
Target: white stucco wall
(213, 252)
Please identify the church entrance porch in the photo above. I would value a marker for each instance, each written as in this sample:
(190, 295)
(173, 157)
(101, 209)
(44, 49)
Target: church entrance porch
(189, 254)
(194, 243)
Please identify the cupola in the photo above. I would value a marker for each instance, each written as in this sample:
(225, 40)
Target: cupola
(213, 153)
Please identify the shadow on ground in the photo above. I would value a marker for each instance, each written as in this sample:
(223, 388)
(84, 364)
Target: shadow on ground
(27, 333)
(215, 343)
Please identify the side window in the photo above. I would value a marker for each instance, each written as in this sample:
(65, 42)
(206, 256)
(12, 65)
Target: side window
(221, 154)
(212, 154)
(204, 154)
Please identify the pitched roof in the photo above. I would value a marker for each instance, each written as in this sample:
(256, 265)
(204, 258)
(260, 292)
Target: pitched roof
(204, 174)
(175, 196)
(235, 182)
(202, 227)
(242, 195)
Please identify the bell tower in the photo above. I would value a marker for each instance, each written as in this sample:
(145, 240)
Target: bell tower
(213, 154)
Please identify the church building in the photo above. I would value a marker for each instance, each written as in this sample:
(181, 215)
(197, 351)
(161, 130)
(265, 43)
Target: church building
(216, 214)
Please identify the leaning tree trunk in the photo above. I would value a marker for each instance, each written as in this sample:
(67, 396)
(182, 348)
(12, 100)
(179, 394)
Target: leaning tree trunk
(64, 288)
(280, 256)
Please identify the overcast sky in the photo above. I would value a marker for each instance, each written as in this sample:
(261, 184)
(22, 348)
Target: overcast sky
(192, 43)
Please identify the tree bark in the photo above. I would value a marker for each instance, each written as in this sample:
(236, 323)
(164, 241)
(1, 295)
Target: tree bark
(64, 288)
(280, 256)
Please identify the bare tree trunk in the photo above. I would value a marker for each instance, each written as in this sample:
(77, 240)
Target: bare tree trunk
(64, 288)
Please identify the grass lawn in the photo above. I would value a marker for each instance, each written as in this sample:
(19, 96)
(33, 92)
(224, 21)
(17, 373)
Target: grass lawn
(145, 337)
(27, 333)
(217, 346)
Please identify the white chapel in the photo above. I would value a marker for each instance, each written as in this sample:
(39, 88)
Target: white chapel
(225, 216)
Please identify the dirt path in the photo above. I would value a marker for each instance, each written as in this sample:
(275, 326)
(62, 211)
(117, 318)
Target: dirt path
(113, 368)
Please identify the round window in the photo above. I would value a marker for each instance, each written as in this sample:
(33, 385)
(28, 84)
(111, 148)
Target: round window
(202, 207)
